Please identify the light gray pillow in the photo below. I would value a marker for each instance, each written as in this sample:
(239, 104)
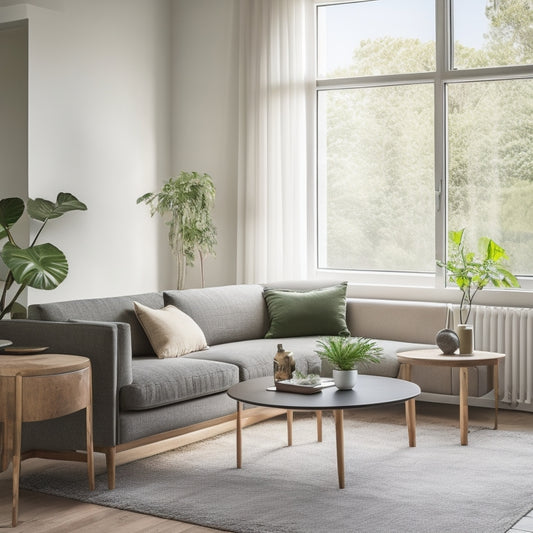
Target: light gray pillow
(170, 331)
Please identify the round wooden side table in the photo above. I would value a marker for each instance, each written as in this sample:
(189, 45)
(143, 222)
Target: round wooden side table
(40, 387)
(434, 357)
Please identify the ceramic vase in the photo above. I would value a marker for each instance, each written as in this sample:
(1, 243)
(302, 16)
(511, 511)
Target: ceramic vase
(465, 333)
(345, 379)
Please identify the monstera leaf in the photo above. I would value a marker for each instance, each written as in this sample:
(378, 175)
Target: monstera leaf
(41, 209)
(11, 210)
(42, 266)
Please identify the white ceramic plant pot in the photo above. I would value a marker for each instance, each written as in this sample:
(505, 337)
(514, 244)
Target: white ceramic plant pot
(345, 379)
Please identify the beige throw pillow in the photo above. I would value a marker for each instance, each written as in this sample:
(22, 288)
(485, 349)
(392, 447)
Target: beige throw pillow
(170, 331)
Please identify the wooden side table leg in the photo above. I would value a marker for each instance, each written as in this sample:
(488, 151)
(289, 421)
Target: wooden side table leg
(89, 435)
(17, 442)
(463, 404)
(290, 419)
(339, 434)
(319, 426)
(496, 378)
(405, 371)
(239, 434)
(7, 441)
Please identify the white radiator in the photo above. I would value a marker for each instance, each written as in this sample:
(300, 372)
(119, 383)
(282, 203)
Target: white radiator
(507, 330)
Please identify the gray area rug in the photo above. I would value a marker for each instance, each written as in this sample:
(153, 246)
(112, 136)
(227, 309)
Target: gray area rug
(437, 487)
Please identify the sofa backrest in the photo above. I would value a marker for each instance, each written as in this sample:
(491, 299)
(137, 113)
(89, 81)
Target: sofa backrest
(397, 320)
(112, 309)
(229, 313)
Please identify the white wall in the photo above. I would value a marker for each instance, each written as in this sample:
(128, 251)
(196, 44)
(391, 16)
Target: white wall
(122, 95)
(99, 127)
(205, 116)
(14, 121)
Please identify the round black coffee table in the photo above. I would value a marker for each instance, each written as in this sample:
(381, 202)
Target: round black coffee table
(369, 391)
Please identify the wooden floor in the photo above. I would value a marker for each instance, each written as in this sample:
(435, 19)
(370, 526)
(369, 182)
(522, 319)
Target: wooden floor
(47, 514)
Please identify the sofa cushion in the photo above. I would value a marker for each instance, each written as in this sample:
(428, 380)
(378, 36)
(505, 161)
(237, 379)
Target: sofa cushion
(170, 331)
(307, 312)
(158, 382)
(255, 358)
(112, 309)
(225, 314)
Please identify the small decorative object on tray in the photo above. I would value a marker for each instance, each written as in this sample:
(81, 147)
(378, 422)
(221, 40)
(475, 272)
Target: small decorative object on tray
(304, 384)
(284, 364)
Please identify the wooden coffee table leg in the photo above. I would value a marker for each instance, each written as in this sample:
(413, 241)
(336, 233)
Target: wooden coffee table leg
(339, 433)
(463, 404)
(319, 426)
(410, 407)
(290, 419)
(239, 434)
(496, 392)
(410, 417)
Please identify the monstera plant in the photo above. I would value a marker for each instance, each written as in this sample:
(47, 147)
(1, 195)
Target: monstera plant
(41, 266)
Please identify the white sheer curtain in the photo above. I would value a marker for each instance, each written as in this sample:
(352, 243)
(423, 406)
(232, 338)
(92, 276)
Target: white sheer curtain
(276, 94)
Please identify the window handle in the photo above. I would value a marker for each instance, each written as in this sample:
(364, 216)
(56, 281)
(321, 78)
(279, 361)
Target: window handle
(438, 194)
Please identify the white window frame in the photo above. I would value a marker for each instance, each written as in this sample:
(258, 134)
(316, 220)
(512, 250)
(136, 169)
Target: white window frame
(401, 285)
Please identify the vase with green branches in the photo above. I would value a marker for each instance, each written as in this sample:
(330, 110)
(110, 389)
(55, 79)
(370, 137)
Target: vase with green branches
(471, 272)
(344, 354)
(41, 266)
(186, 202)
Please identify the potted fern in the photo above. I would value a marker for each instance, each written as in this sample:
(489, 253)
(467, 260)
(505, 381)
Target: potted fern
(344, 354)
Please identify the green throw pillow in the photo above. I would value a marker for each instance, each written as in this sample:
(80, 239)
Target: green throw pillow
(304, 313)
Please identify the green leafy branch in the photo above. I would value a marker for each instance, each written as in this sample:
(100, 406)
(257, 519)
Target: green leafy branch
(41, 266)
(471, 274)
(186, 201)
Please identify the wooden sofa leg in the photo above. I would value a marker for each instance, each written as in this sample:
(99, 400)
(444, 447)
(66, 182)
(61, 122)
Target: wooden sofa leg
(110, 454)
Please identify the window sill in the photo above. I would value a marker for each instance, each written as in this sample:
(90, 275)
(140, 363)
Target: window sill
(422, 287)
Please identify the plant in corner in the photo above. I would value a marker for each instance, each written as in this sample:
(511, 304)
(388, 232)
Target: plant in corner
(344, 353)
(41, 266)
(187, 202)
(471, 274)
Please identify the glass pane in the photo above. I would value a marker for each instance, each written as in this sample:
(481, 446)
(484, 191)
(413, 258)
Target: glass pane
(376, 186)
(491, 33)
(490, 191)
(376, 37)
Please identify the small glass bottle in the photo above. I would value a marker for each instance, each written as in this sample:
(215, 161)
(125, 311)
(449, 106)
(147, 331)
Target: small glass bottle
(284, 364)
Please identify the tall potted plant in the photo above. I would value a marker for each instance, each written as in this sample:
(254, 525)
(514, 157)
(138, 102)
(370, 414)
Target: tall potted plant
(344, 353)
(186, 201)
(41, 266)
(472, 273)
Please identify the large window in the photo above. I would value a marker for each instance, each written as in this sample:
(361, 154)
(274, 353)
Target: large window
(424, 124)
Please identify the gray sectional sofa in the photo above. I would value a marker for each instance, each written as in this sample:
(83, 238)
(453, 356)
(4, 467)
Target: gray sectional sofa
(139, 398)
